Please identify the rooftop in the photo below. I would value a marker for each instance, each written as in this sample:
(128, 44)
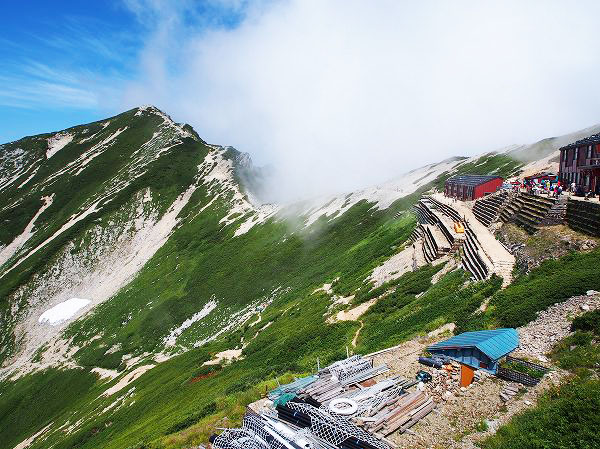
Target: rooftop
(541, 175)
(594, 138)
(471, 180)
(493, 343)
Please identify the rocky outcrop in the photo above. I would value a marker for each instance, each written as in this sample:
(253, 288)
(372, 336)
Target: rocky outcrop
(553, 324)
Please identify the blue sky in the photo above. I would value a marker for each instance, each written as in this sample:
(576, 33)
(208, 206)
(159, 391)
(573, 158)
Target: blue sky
(64, 63)
(51, 53)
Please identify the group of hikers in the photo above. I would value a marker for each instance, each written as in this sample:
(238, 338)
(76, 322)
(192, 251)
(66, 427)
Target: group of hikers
(554, 188)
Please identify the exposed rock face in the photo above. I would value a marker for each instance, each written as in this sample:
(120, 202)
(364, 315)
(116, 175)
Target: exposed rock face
(553, 324)
(549, 242)
(244, 160)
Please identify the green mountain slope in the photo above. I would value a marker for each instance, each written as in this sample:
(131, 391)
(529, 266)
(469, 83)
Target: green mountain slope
(161, 233)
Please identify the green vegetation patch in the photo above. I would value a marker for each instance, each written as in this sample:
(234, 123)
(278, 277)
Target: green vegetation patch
(552, 282)
(588, 322)
(34, 401)
(522, 368)
(401, 314)
(565, 417)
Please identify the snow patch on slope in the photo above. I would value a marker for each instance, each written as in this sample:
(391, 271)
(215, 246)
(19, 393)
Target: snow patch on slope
(114, 253)
(57, 142)
(63, 311)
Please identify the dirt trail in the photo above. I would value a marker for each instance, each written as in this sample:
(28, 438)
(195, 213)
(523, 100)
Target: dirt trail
(355, 339)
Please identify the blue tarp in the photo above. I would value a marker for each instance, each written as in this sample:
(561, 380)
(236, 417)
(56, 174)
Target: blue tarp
(293, 387)
(493, 343)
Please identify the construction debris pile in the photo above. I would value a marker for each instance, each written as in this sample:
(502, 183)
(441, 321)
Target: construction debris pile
(509, 391)
(342, 407)
(445, 382)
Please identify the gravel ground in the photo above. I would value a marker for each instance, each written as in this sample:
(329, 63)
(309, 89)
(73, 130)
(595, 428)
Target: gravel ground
(553, 324)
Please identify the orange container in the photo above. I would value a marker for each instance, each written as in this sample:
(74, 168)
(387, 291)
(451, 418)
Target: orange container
(466, 375)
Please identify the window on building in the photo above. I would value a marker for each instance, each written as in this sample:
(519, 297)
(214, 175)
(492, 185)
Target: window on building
(565, 152)
(589, 152)
(576, 154)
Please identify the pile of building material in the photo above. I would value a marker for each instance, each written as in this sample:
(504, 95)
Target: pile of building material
(341, 407)
(335, 430)
(445, 382)
(509, 391)
(266, 432)
(289, 391)
(337, 378)
(398, 414)
(360, 400)
(353, 370)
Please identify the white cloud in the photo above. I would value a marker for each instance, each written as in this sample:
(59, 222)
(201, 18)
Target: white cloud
(343, 93)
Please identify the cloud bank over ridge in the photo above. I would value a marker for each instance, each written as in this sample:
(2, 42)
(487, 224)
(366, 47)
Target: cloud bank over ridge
(341, 94)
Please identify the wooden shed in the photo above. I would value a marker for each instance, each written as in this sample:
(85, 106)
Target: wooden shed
(480, 349)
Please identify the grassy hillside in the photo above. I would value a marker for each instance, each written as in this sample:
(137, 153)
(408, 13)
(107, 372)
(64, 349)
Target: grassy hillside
(112, 178)
(165, 397)
(553, 281)
(279, 263)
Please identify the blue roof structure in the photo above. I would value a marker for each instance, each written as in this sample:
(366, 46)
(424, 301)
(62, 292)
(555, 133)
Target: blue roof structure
(493, 343)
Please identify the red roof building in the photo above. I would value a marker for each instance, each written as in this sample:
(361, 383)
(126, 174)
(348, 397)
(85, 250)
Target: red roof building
(471, 187)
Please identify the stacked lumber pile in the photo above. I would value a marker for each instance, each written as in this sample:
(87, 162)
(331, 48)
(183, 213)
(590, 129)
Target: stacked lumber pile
(341, 407)
(327, 387)
(339, 377)
(398, 414)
